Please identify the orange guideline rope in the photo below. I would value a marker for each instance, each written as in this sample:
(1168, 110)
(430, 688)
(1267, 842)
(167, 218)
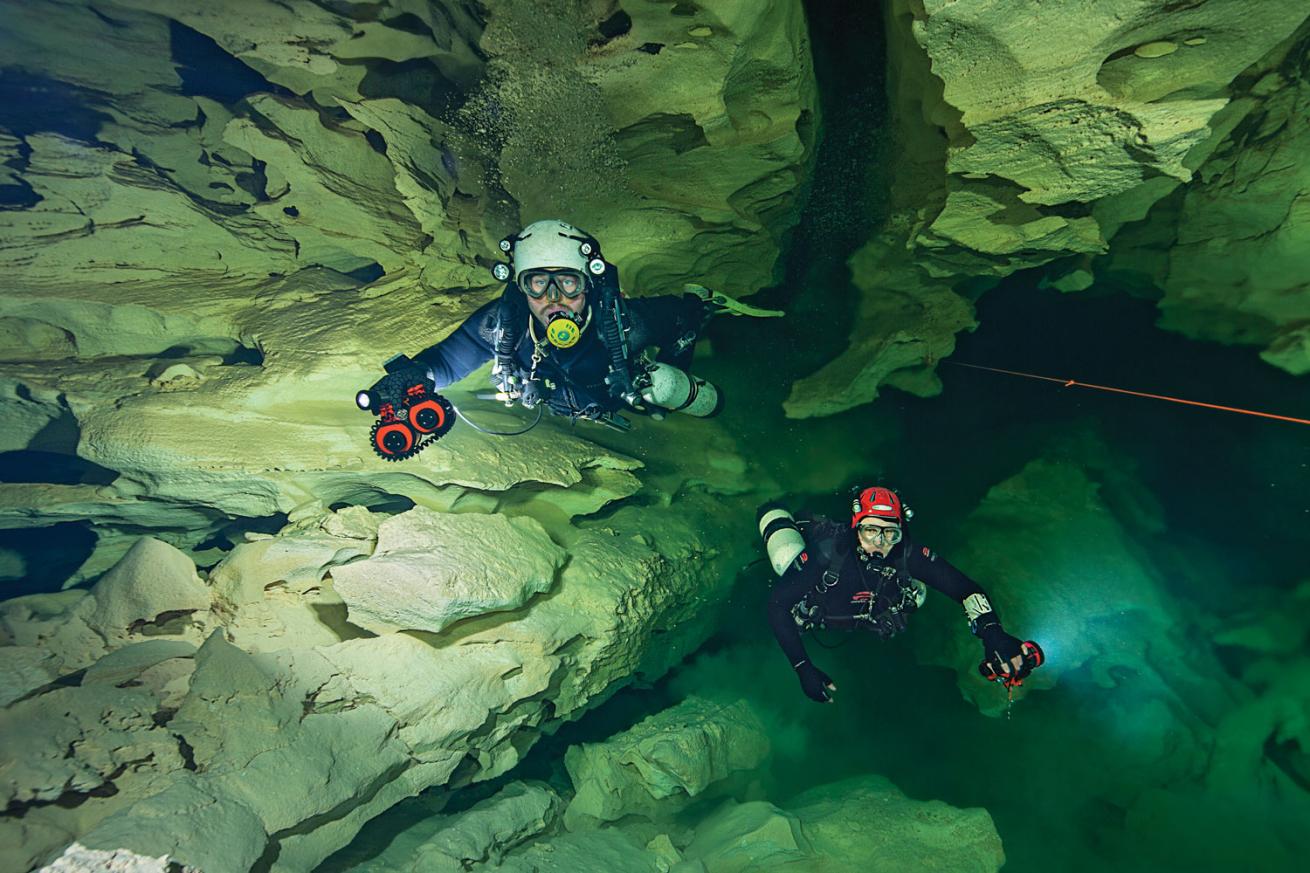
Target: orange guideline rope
(1069, 383)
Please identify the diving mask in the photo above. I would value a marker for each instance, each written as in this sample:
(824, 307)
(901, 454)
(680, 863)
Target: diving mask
(566, 283)
(887, 536)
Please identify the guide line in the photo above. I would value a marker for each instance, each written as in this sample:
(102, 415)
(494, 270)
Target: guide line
(1072, 383)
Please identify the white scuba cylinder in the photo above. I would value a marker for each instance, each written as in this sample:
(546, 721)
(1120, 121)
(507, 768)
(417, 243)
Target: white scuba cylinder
(782, 539)
(673, 389)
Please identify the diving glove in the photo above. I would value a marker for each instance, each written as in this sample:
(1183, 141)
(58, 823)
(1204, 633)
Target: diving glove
(814, 682)
(403, 377)
(999, 648)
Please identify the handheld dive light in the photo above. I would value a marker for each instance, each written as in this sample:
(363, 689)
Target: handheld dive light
(411, 414)
(1033, 657)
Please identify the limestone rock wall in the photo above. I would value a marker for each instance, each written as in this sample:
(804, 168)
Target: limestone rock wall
(1029, 135)
(221, 220)
(828, 827)
(1228, 253)
(265, 726)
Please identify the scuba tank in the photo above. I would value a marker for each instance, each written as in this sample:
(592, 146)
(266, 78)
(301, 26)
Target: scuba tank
(667, 386)
(782, 538)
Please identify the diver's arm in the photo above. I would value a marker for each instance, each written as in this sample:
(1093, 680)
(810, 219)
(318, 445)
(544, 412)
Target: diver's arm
(672, 322)
(788, 591)
(999, 647)
(791, 588)
(936, 572)
(786, 550)
(463, 351)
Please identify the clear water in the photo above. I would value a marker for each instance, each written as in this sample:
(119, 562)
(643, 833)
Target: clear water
(1058, 777)
(1061, 775)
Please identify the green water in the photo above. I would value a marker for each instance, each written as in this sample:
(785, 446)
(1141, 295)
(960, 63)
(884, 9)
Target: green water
(1214, 508)
(1060, 775)
(1227, 495)
(1235, 495)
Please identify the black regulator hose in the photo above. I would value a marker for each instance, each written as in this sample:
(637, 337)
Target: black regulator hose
(614, 337)
(509, 319)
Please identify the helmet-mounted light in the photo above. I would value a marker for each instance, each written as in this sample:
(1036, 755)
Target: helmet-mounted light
(879, 502)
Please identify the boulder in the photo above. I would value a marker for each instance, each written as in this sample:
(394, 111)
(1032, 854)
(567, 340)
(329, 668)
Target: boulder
(867, 822)
(739, 837)
(432, 569)
(601, 851)
(467, 840)
(152, 584)
(664, 761)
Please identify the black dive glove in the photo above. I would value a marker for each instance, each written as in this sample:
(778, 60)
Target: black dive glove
(814, 682)
(999, 648)
(402, 375)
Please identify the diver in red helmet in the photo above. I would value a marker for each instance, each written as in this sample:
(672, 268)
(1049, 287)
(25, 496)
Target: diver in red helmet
(869, 575)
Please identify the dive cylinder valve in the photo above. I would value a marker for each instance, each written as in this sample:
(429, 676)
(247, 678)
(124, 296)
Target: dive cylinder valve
(782, 539)
(673, 389)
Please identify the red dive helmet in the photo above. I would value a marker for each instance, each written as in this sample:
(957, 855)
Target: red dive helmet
(878, 502)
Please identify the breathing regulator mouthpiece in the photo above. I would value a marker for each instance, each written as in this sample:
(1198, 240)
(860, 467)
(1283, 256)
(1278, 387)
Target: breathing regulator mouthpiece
(671, 388)
(782, 539)
(563, 330)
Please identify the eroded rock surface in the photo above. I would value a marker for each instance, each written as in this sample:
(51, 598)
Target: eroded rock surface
(1029, 140)
(1228, 251)
(291, 726)
(79, 859)
(664, 761)
(241, 215)
(432, 569)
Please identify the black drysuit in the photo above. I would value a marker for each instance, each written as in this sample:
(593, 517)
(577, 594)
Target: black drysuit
(578, 372)
(859, 583)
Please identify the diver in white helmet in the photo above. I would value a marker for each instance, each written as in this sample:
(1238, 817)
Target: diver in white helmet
(562, 334)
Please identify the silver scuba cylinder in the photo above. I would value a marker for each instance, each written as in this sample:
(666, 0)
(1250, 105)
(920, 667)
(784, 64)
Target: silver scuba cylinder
(673, 389)
(782, 539)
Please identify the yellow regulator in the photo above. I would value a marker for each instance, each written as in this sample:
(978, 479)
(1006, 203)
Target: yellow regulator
(562, 331)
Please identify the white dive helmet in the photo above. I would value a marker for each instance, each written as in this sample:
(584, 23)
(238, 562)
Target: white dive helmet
(552, 243)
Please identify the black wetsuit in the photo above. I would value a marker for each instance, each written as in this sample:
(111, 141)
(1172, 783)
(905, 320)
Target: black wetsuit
(860, 590)
(669, 322)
